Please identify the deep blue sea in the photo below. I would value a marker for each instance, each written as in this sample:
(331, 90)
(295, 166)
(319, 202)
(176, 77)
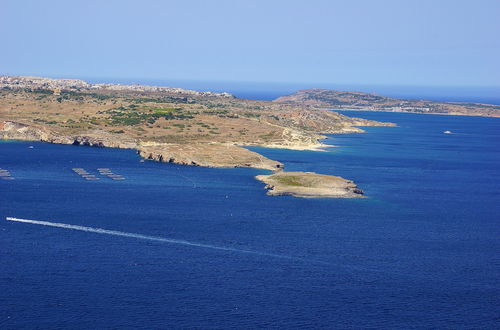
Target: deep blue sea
(422, 251)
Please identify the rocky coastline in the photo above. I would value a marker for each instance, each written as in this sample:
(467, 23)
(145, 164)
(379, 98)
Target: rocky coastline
(172, 125)
(298, 184)
(206, 155)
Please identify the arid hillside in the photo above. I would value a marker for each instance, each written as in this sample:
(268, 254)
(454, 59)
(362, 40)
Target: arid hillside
(161, 121)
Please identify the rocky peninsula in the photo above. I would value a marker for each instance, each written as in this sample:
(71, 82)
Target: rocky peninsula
(167, 124)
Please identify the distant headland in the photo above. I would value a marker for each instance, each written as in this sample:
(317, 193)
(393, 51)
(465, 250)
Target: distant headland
(325, 98)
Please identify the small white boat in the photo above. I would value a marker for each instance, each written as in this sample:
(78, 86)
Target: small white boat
(447, 132)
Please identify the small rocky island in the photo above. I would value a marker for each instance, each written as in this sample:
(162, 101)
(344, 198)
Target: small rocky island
(309, 184)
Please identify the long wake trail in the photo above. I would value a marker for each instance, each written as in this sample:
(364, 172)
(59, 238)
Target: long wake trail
(201, 245)
(149, 238)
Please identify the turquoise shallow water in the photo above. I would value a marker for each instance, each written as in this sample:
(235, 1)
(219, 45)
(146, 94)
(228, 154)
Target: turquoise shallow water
(420, 251)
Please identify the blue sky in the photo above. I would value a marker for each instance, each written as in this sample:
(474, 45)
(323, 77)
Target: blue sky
(403, 42)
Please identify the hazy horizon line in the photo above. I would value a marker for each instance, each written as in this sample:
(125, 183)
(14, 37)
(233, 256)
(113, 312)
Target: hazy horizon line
(215, 80)
(268, 91)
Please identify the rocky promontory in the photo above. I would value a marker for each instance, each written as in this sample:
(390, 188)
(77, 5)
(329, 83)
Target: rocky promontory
(197, 154)
(208, 155)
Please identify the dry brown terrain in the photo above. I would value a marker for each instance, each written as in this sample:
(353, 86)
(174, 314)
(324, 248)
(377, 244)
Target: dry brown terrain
(163, 124)
(123, 116)
(154, 118)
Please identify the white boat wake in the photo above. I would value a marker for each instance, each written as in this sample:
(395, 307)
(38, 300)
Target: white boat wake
(145, 237)
(199, 245)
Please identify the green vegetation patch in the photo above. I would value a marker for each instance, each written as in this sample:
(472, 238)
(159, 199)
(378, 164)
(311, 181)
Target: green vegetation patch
(166, 99)
(50, 122)
(290, 180)
(251, 115)
(134, 115)
(165, 111)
